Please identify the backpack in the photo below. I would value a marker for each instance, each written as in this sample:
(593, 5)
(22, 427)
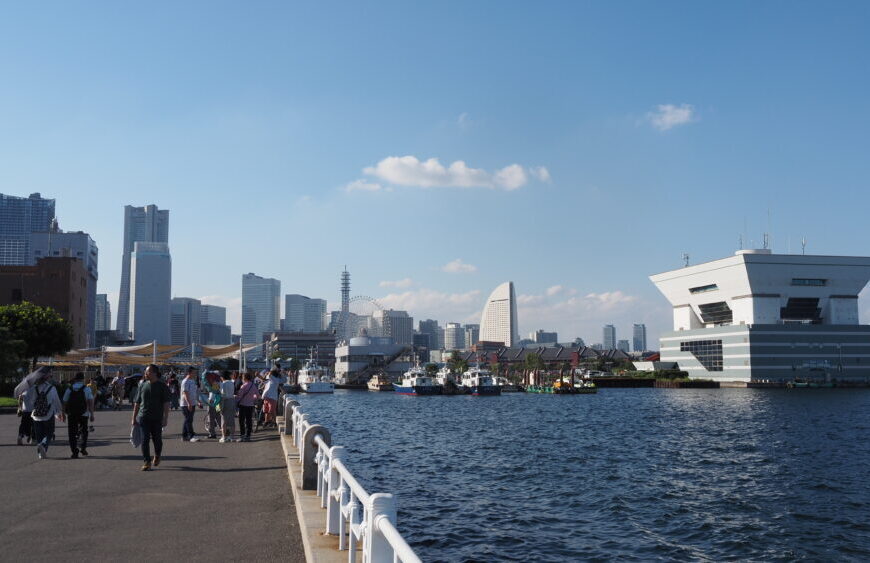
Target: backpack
(77, 403)
(41, 406)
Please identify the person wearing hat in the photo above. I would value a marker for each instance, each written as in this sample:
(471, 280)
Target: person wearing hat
(78, 404)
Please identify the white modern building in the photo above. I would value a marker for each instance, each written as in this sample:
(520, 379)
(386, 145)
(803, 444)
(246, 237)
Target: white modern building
(499, 320)
(303, 314)
(759, 316)
(363, 356)
(454, 337)
(398, 325)
(141, 224)
(261, 307)
(150, 292)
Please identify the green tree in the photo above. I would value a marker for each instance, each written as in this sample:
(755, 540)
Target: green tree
(534, 363)
(295, 365)
(11, 353)
(456, 363)
(43, 331)
(431, 369)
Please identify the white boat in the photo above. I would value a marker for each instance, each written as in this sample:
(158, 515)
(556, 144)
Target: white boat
(479, 381)
(505, 385)
(315, 379)
(449, 382)
(380, 382)
(416, 381)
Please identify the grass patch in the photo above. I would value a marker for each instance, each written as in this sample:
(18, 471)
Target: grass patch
(8, 402)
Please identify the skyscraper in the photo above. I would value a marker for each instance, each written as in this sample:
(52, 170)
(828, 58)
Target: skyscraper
(639, 337)
(19, 217)
(499, 320)
(102, 313)
(141, 224)
(472, 334)
(213, 327)
(623, 346)
(186, 321)
(303, 314)
(261, 307)
(609, 338)
(150, 292)
(396, 324)
(454, 337)
(430, 327)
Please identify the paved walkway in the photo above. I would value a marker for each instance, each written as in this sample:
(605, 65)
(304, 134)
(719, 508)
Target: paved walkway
(206, 502)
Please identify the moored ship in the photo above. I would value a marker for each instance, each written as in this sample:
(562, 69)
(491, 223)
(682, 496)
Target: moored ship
(479, 381)
(416, 381)
(380, 382)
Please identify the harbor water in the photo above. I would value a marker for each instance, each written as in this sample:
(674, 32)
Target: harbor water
(633, 474)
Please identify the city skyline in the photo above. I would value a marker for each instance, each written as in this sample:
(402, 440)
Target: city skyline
(568, 126)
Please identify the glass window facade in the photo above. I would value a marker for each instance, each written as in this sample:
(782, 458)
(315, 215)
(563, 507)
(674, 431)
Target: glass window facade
(718, 313)
(815, 282)
(708, 352)
(704, 288)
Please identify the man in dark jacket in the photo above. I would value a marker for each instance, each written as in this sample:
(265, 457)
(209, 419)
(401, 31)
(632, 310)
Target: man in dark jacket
(151, 414)
(78, 404)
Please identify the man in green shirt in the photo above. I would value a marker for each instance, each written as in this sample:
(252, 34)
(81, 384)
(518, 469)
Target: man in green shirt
(151, 414)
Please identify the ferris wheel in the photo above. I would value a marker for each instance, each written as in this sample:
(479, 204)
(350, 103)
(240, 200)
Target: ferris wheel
(364, 317)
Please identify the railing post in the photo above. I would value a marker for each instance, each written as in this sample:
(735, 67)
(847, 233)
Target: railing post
(309, 450)
(300, 429)
(289, 403)
(375, 545)
(333, 505)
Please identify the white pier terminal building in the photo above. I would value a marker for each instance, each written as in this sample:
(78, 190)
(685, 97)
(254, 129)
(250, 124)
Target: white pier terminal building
(759, 316)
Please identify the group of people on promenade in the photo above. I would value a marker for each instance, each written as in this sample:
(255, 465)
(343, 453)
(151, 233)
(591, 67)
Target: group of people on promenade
(224, 396)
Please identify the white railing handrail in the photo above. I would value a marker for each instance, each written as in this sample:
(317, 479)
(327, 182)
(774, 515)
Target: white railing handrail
(352, 513)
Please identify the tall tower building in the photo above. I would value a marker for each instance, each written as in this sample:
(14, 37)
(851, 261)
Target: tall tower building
(398, 325)
(103, 313)
(261, 307)
(19, 217)
(186, 321)
(499, 320)
(639, 338)
(213, 325)
(345, 292)
(454, 337)
(303, 314)
(472, 334)
(609, 337)
(150, 292)
(141, 224)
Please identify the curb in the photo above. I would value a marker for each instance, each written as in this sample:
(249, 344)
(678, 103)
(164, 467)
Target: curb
(319, 547)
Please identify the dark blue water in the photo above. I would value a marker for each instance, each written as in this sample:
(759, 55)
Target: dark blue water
(634, 474)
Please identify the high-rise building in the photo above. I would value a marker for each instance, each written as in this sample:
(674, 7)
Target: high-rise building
(56, 243)
(544, 337)
(213, 327)
(499, 320)
(639, 338)
(141, 224)
(150, 292)
(609, 337)
(103, 313)
(345, 292)
(261, 307)
(398, 325)
(454, 337)
(472, 334)
(623, 346)
(303, 314)
(19, 217)
(186, 321)
(430, 327)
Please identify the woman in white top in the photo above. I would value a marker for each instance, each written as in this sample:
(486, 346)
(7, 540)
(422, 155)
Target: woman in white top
(228, 408)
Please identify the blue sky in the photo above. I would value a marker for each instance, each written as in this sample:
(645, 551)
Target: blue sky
(600, 141)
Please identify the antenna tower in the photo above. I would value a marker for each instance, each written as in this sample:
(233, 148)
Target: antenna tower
(804, 245)
(345, 292)
(686, 258)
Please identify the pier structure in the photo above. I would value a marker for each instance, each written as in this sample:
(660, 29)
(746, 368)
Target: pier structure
(337, 516)
(760, 317)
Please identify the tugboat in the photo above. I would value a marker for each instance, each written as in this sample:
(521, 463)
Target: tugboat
(506, 386)
(478, 381)
(415, 381)
(380, 382)
(448, 382)
(315, 379)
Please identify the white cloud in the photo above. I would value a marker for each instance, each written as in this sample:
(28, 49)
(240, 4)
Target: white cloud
(463, 121)
(363, 186)
(399, 284)
(413, 172)
(668, 116)
(554, 290)
(458, 267)
(428, 303)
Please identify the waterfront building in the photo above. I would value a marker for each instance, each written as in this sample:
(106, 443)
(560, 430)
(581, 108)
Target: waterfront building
(397, 325)
(103, 313)
(544, 337)
(186, 321)
(55, 243)
(472, 334)
(150, 293)
(639, 337)
(499, 320)
(759, 316)
(623, 346)
(362, 356)
(59, 283)
(19, 217)
(303, 313)
(261, 307)
(454, 337)
(609, 337)
(304, 346)
(141, 224)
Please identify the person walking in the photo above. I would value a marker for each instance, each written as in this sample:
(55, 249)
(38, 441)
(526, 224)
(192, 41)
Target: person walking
(211, 382)
(151, 414)
(246, 398)
(228, 408)
(189, 400)
(78, 404)
(174, 391)
(46, 405)
(270, 397)
(25, 410)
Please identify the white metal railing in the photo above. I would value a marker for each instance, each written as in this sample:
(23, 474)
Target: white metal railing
(358, 518)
